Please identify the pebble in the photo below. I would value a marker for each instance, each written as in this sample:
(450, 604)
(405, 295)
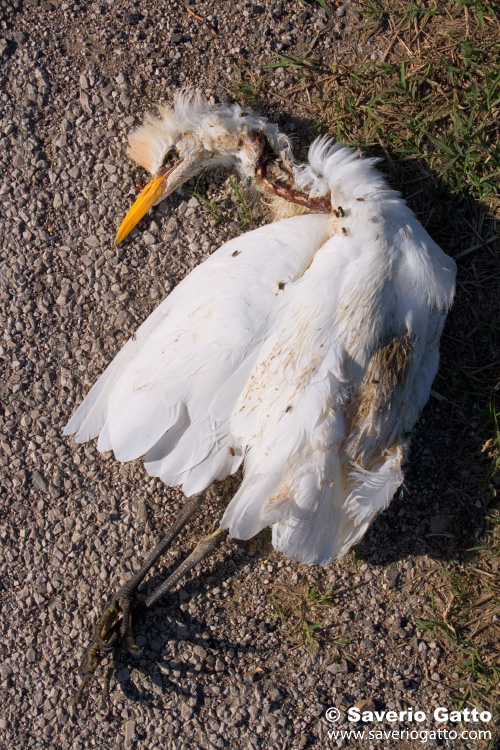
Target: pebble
(186, 712)
(129, 730)
(39, 482)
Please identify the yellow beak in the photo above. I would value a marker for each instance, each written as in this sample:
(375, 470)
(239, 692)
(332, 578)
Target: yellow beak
(147, 197)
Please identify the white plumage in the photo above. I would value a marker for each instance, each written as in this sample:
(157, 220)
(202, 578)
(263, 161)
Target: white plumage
(305, 349)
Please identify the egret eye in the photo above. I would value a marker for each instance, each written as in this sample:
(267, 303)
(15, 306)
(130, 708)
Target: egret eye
(170, 156)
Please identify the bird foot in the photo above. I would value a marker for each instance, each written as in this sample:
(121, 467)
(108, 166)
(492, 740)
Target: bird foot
(115, 624)
(113, 629)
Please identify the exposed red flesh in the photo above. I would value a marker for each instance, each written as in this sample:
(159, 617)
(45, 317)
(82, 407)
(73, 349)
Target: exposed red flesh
(290, 194)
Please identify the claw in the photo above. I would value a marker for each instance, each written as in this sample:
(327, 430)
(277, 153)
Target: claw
(90, 663)
(106, 631)
(129, 639)
(106, 680)
(113, 628)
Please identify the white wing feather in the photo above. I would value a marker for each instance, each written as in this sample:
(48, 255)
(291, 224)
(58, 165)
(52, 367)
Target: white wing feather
(169, 393)
(267, 351)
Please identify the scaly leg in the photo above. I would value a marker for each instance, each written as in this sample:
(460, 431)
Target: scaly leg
(114, 627)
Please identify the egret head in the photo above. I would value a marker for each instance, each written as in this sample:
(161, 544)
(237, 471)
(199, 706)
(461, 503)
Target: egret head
(193, 135)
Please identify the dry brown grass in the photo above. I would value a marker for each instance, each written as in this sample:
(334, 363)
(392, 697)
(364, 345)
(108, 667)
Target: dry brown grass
(466, 606)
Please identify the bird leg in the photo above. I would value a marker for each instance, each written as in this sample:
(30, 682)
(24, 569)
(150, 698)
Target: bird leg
(114, 627)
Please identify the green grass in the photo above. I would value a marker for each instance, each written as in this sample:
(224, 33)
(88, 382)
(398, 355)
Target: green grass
(303, 61)
(244, 210)
(437, 96)
(245, 86)
(445, 111)
(285, 61)
(210, 204)
(431, 107)
(303, 609)
(320, 598)
(492, 446)
(311, 634)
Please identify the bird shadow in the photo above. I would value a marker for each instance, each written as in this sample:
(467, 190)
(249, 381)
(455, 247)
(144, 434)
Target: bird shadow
(447, 493)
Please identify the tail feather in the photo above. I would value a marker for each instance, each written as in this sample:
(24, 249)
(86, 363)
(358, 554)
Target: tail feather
(242, 516)
(338, 521)
(319, 509)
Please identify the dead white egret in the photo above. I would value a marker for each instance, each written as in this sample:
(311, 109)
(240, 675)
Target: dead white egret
(304, 349)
